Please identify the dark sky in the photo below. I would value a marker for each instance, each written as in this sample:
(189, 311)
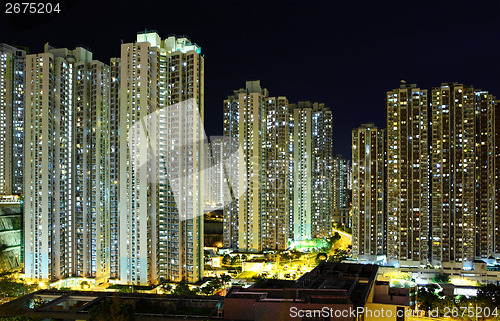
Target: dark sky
(346, 54)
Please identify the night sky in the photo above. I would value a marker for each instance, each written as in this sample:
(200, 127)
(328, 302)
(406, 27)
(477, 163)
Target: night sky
(345, 54)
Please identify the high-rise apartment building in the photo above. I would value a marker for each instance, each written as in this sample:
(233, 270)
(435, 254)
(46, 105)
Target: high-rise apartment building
(231, 131)
(217, 193)
(441, 177)
(464, 203)
(323, 200)
(100, 199)
(114, 165)
(257, 124)
(496, 174)
(453, 162)
(487, 165)
(243, 123)
(368, 188)
(302, 174)
(66, 179)
(275, 163)
(407, 153)
(161, 160)
(341, 191)
(12, 61)
(313, 201)
(291, 176)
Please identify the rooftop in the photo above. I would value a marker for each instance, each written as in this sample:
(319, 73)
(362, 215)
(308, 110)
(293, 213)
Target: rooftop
(71, 305)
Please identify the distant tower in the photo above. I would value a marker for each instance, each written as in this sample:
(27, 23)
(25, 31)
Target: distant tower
(341, 177)
(12, 61)
(216, 193)
(313, 171)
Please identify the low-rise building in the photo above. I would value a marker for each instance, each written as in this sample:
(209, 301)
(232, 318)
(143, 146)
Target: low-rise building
(468, 274)
(78, 305)
(331, 290)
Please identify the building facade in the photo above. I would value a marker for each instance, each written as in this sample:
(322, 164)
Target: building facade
(464, 202)
(487, 180)
(368, 194)
(313, 171)
(407, 153)
(496, 174)
(161, 160)
(441, 177)
(217, 193)
(12, 82)
(342, 190)
(275, 162)
(302, 173)
(453, 162)
(323, 173)
(101, 200)
(243, 125)
(231, 164)
(67, 154)
(258, 125)
(114, 164)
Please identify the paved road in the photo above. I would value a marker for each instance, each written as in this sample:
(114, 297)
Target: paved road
(344, 242)
(347, 235)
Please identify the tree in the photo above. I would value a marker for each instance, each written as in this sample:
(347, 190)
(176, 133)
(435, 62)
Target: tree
(226, 259)
(206, 256)
(10, 287)
(335, 238)
(321, 257)
(128, 289)
(215, 283)
(444, 304)
(339, 255)
(19, 318)
(235, 260)
(183, 289)
(166, 288)
(286, 256)
(441, 278)
(489, 295)
(270, 257)
(225, 279)
(37, 302)
(296, 254)
(207, 290)
(111, 310)
(427, 297)
(84, 284)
